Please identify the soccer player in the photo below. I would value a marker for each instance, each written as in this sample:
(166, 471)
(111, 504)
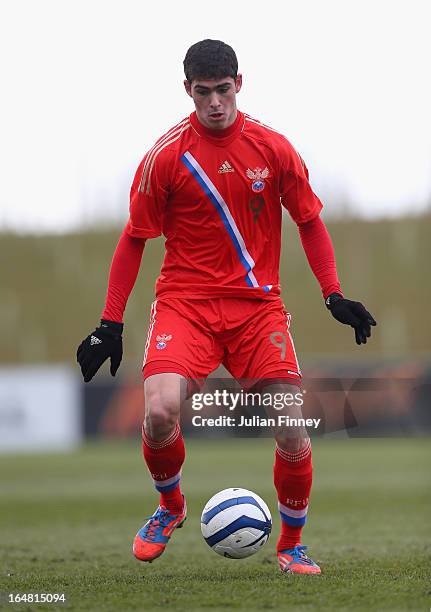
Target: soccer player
(214, 185)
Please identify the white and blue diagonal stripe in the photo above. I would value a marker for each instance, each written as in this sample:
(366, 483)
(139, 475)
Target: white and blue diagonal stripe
(222, 208)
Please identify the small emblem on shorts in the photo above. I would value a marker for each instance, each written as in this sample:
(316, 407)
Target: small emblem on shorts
(258, 177)
(162, 341)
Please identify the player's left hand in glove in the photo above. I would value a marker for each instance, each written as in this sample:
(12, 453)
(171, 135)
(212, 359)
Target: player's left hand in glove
(353, 314)
(104, 342)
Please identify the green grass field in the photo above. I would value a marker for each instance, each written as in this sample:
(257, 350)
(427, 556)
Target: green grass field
(67, 523)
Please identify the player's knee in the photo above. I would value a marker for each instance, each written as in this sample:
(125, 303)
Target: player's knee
(291, 443)
(162, 410)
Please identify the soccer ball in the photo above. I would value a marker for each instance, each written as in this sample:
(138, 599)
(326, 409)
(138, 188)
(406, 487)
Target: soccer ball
(236, 523)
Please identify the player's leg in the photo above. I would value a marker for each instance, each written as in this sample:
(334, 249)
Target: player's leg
(178, 351)
(164, 453)
(265, 356)
(293, 476)
(162, 441)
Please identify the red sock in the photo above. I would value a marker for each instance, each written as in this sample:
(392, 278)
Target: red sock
(293, 473)
(164, 459)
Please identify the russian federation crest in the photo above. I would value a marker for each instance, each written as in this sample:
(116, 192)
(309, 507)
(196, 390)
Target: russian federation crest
(257, 176)
(162, 341)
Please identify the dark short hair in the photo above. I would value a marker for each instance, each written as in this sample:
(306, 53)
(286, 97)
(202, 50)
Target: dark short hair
(210, 59)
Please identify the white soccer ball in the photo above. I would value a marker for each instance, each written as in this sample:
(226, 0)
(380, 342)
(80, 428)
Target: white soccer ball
(236, 523)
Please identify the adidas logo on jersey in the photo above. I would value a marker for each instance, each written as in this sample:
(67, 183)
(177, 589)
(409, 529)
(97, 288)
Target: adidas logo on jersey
(225, 167)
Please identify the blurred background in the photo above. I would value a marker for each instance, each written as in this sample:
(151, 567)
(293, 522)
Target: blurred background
(89, 87)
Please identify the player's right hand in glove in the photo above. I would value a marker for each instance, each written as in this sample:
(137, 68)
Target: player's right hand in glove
(104, 342)
(353, 314)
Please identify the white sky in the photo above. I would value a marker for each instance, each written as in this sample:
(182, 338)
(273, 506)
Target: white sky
(87, 86)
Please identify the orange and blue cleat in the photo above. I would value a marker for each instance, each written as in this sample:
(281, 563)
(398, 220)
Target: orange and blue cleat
(295, 561)
(151, 540)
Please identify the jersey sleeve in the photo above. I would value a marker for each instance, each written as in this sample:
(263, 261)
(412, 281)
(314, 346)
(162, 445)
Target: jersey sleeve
(122, 276)
(296, 193)
(318, 248)
(148, 197)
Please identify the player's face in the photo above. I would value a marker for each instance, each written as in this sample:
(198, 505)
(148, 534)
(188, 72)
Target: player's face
(215, 100)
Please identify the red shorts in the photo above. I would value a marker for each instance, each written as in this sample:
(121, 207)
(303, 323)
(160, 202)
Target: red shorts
(249, 337)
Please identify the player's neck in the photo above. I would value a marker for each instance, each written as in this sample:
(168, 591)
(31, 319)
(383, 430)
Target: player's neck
(217, 133)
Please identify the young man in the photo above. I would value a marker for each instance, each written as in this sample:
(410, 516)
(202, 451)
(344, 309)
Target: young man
(214, 186)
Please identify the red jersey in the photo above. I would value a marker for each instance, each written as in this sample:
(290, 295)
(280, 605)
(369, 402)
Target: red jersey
(217, 197)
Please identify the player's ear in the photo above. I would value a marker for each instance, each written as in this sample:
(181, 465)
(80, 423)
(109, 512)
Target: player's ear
(188, 87)
(238, 83)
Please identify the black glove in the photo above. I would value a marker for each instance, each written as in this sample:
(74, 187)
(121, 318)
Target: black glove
(104, 342)
(351, 313)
